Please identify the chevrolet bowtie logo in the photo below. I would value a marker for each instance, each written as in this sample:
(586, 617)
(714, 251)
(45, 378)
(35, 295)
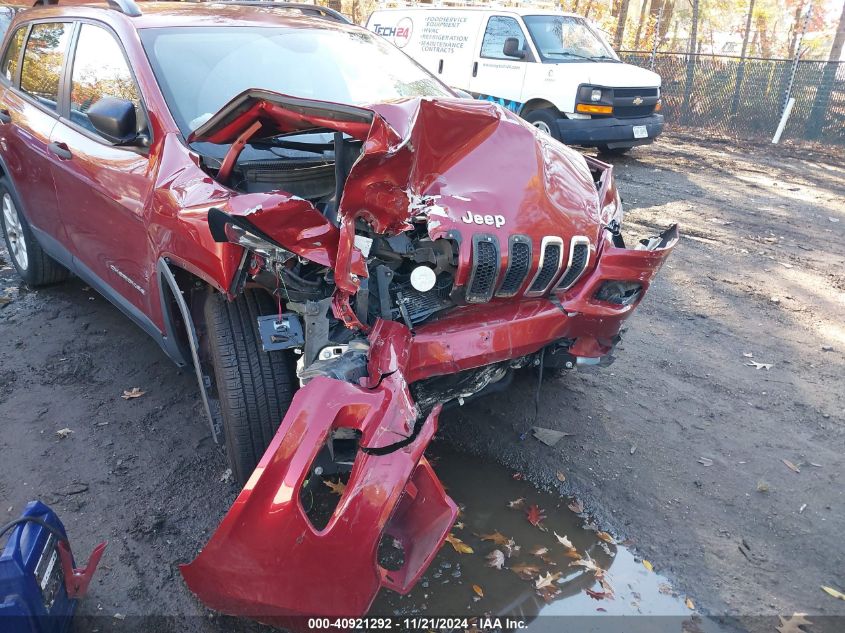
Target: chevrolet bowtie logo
(637, 100)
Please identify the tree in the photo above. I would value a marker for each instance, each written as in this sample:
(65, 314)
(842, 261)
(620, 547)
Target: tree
(819, 111)
(692, 50)
(620, 23)
(740, 71)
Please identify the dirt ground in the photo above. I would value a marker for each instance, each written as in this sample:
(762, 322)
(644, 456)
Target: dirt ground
(681, 446)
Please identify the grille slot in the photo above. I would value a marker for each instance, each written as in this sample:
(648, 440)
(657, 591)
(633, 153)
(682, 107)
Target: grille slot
(519, 263)
(551, 257)
(579, 257)
(485, 268)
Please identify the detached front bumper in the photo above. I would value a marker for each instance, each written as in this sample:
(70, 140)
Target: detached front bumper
(610, 131)
(267, 560)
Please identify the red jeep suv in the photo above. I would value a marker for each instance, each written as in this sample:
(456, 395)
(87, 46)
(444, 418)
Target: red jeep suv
(333, 240)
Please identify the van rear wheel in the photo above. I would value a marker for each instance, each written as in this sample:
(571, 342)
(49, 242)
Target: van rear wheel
(545, 120)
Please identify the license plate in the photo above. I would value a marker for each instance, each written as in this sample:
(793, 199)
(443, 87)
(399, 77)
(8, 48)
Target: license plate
(640, 131)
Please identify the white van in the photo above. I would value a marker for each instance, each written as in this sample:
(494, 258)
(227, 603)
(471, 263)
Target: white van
(552, 68)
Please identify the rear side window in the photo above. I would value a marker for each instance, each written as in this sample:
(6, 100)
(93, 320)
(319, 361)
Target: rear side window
(500, 28)
(9, 66)
(99, 70)
(43, 59)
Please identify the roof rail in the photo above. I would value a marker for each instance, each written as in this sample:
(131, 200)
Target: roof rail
(127, 7)
(305, 9)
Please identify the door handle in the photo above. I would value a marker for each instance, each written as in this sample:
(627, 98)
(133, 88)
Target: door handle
(474, 69)
(60, 149)
(5, 117)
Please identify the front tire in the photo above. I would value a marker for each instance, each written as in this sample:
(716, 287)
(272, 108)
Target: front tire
(546, 120)
(34, 266)
(255, 388)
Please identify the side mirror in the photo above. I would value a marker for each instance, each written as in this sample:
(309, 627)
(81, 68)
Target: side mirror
(114, 119)
(512, 49)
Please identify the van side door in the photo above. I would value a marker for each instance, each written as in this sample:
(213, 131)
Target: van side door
(498, 70)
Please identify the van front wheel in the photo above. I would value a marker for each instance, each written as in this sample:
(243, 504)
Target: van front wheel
(545, 120)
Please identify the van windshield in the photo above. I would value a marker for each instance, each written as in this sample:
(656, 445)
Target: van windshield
(201, 69)
(565, 38)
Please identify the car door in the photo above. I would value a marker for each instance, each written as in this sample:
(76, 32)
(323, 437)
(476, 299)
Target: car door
(104, 188)
(31, 72)
(496, 76)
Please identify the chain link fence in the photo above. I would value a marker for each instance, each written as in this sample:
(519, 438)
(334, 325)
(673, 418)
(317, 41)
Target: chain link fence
(746, 98)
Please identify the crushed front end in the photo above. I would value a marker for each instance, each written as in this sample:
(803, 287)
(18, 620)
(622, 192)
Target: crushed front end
(453, 245)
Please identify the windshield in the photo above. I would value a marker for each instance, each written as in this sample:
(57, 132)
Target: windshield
(561, 38)
(201, 69)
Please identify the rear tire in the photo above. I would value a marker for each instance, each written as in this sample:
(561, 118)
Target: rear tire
(546, 120)
(34, 266)
(614, 151)
(255, 388)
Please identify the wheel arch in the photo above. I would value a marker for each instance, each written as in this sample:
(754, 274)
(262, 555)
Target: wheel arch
(539, 104)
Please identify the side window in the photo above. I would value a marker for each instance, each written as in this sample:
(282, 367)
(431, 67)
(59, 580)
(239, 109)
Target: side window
(500, 28)
(9, 66)
(43, 58)
(99, 70)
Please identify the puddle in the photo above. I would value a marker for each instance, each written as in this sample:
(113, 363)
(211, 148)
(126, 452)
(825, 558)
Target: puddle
(483, 491)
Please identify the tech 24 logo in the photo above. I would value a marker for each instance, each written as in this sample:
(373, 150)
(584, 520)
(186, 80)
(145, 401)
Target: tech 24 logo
(400, 34)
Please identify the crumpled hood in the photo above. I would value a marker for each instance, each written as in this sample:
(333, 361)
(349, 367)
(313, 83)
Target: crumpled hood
(452, 161)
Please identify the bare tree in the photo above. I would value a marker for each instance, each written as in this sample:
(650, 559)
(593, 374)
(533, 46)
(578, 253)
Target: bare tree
(620, 23)
(817, 115)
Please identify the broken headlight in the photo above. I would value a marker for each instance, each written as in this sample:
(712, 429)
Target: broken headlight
(237, 230)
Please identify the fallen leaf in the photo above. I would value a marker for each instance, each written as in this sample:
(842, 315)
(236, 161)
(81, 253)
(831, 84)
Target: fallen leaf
(497, 537)
(548, 593)
(525, 571)
(518, 476)
(459, 546)
(478, 590)
(690, 604)
(756, 365)
(516, 503)
(336, 487)
(596, 595)
(540, 551)
(576, 506)
(793, 624)
(665, 589)
(132, 393)
(226, 476)
(648, 565)
(549, 437)
(587, 563)
(605, 584)
(561, 476)
(564, 541)
(511, 548)
(547, 580)
(833, 592)
(607, 538)
(705, 461)
(633, 449)
(63, 433)
(748, 354)
(496, 559)
(535, 515)
(573, 553)
(459, 525)
(791, 466)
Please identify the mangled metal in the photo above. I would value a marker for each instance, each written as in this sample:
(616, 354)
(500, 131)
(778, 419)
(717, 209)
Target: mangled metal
(456, 245)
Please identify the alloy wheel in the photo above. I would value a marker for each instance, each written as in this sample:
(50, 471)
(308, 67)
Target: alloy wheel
(14, 232)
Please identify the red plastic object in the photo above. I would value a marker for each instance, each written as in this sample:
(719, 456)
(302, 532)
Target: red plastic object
(267, 561)
(77, 579)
